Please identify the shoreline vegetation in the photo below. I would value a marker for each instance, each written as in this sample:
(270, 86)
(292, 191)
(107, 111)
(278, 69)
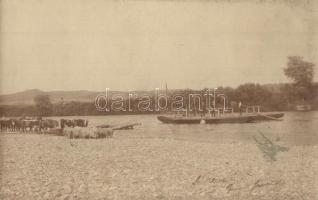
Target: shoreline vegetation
(271, 97)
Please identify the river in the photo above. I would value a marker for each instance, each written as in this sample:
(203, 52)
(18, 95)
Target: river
(297, 128)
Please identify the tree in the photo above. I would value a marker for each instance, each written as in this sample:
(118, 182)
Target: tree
(43, 105)
(252, 94)
(301, 73)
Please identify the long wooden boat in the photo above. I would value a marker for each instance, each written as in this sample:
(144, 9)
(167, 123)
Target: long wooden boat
(245, 118)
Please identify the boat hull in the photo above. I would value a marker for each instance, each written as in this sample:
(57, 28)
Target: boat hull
(247, 118)
(267, 116)
(171, 120)
(242, 119)
(217, 120)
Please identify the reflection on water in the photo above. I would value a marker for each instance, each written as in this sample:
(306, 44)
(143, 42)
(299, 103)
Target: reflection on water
(297, 128)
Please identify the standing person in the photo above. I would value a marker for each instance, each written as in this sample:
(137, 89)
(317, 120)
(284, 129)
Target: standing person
(213, 112)
(240, 107)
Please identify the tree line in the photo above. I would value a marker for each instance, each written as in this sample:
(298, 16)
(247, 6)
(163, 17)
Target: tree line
(272, 97)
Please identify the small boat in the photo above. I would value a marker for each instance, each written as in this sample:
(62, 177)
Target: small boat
(245, 118)
(303, 107)
(266, 116)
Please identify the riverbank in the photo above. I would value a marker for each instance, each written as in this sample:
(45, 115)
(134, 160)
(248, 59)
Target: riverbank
(39, 166)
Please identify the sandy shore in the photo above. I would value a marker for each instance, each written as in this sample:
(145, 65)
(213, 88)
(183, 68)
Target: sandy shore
(53, 167)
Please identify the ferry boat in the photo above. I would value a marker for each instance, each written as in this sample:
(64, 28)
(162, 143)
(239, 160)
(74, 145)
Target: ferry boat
(218, 118)
(227, 118)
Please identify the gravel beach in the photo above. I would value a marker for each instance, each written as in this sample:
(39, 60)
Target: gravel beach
(37, 166)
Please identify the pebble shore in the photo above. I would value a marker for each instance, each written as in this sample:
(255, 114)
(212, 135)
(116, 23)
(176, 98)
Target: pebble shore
(38, 166)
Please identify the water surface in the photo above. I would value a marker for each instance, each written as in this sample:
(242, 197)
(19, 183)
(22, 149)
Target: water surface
(297, 128)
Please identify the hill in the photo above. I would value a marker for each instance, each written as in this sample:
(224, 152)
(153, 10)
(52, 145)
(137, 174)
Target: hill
(26, 97)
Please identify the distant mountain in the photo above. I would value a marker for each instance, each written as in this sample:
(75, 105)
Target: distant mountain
(27, 97)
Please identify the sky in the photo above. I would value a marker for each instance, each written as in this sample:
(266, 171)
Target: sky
(141, 45)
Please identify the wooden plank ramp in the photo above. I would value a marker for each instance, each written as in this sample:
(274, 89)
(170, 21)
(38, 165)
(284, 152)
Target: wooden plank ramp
(120, 126)
(269, 117)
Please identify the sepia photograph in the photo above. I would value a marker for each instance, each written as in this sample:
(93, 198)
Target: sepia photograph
(158, 100)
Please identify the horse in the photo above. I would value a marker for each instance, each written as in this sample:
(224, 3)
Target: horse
(48, 123)
(73, 123)
(10, 125)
